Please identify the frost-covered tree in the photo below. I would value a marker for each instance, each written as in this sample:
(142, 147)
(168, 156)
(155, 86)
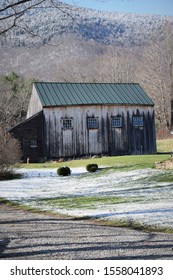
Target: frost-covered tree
(13, 13)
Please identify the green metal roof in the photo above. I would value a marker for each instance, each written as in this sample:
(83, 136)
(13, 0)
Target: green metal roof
(68, 94)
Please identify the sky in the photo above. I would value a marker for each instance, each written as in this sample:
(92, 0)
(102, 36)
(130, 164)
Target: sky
(157, 7)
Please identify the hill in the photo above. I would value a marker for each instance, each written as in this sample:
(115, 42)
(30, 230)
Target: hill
(71, 44)
(47, 22)
(48, 36)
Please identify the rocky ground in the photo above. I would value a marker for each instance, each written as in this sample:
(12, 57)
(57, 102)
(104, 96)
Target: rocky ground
(28, 235)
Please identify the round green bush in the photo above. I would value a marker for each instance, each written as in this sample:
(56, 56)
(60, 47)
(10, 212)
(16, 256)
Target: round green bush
(92, 167)
(63, 171)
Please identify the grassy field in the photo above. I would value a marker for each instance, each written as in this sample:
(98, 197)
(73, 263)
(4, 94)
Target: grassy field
(129, 198)
(106, 198)
(165, 145)
(128, 162)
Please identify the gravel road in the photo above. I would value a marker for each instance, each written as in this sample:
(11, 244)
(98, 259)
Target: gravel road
(28, 235)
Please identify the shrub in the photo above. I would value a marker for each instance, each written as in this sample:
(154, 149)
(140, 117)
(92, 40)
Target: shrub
(93, 167)
(63, 171)
(9, 175)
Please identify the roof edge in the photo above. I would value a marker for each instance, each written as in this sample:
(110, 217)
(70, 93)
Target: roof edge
(26, 120)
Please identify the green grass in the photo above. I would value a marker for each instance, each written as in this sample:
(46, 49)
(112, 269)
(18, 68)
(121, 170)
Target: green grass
(131, 162)
(134, 161)
(113, 223)
(6, 201)
(115, 163)
(165, 145)
(134, 225)
(14, 204)
(86, 202)
(17, 205)
(167, 177)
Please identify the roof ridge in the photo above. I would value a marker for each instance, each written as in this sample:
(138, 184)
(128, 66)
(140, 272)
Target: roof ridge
(93, 83)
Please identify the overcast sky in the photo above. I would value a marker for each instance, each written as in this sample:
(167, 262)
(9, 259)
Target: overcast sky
(158, 7)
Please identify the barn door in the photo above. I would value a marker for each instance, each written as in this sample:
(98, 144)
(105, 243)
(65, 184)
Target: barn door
(67, 143)
(138, 141)
(93, 135)
(67, 137)
(93, 142)
(117, 143)
(138, 135)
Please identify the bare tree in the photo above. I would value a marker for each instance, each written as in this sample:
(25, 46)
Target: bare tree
(112, 65)
(76, 70)
(153, 79)
(116, 66)
(156, 76)
(10, 152)
(168, 46)
(15, 93)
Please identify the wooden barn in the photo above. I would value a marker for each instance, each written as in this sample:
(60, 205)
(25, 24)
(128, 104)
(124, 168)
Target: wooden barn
(67, 120)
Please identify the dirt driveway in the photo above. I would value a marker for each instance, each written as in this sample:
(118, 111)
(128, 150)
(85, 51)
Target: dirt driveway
(28, 235)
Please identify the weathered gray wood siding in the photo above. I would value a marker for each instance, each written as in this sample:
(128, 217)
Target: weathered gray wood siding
(79, 140)
(35, 105)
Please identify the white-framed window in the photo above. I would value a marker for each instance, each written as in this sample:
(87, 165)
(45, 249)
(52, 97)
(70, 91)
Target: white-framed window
(67, 123)
(92, 123)
(116, 122)
(138, 121)
(33, 143)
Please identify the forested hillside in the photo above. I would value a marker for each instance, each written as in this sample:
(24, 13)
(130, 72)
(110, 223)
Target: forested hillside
(49, 22)
(66, 43)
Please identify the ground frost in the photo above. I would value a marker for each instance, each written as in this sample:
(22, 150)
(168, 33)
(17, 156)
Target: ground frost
(110, 195)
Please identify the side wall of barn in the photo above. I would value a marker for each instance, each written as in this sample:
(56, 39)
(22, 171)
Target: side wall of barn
(76, 139)
(30, 134)
(35, 105)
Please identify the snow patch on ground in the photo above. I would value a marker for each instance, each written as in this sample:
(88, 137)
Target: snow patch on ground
(152, 202)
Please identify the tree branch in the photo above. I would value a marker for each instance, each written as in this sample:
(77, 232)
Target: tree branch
(16, 4)
(12, 12)
(22, 10)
